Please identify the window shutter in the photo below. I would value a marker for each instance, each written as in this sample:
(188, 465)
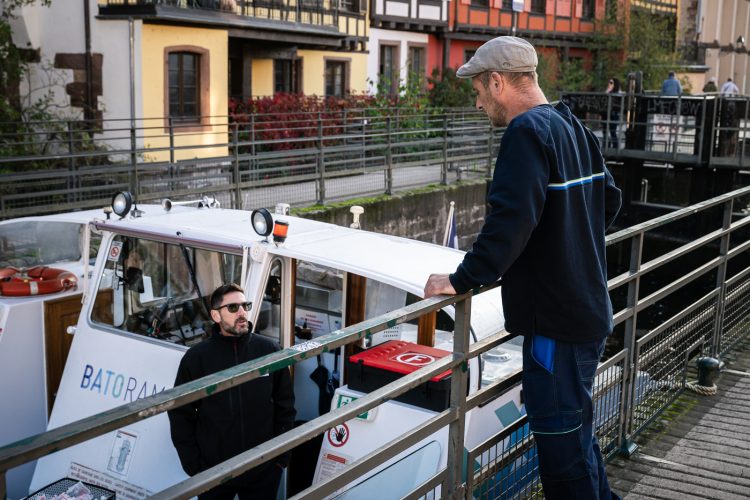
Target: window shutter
(496, 4)
(579, 8)
(600, 8)
(465, 2)
(550, 7)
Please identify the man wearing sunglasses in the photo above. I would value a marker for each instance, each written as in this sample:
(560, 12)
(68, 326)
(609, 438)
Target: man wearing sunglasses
(225, 424)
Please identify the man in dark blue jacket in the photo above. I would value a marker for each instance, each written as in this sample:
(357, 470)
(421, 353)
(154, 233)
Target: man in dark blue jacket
(551, 199)
(225, 424)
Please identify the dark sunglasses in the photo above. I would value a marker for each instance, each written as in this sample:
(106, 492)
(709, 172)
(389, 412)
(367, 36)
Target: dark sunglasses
(233, 308)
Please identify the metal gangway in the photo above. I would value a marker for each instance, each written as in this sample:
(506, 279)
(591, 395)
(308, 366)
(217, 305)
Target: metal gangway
(637, 382)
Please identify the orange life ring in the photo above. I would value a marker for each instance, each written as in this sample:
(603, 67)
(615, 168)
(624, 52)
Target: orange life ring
(39, 280)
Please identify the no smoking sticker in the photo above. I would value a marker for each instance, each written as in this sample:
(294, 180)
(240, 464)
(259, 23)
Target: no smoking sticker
(114, 250)
(338, 436)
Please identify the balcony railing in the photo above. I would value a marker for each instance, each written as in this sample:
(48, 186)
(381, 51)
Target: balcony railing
(313, 12)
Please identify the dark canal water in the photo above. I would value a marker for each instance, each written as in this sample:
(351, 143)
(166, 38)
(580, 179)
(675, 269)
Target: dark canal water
(669, 189)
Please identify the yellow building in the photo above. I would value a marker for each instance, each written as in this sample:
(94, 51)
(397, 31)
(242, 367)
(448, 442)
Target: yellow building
(194, 56)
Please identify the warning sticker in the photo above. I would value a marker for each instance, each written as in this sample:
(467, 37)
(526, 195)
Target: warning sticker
(330, 465)
(115, 250)
(124, 490)
(338, 436)
(122, 453)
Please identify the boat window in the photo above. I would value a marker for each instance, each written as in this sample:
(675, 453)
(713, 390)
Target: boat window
(269, 317)
(28, 244)
(318, 301)
(318, 298)
(161, 290)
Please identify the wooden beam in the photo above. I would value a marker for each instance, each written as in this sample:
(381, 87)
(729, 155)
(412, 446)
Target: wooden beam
(426, 329)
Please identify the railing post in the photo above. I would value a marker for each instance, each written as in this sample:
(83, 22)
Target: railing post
(3, 492)
(253, 150)
(721, 277)
(237, 187)
(134, 187)
(388, 158)
(679, 126)
(444, 166)
(459, 378)
(605, 133)
(72, 195)
(321, 163)
(636, 251)
(170, 123)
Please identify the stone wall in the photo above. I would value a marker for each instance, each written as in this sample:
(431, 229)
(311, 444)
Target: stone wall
(419, 215)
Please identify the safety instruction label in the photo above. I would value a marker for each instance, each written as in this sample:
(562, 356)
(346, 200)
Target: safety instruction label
(123, 489)
(330, 465)
(122, 453)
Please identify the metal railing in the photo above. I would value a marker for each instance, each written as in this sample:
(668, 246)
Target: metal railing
(708, 129)
(317, 157)
(632, 387)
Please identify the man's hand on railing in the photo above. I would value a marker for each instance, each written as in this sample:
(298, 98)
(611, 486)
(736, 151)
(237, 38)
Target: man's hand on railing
(438, 284)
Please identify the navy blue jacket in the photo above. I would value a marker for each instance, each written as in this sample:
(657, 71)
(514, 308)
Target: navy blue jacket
(551, 199)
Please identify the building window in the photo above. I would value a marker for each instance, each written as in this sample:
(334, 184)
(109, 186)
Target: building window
(336, 78)
(416, 66)
(287, 75)
(468, 54)
(388, 76)
(507, 5)
(588, 9)
(480, 3)
(538, 6)
(184, 86)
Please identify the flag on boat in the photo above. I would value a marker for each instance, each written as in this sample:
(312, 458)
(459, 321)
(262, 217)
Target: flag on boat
(450, 239)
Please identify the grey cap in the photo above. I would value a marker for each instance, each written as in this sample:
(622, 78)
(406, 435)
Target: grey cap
(504, 53)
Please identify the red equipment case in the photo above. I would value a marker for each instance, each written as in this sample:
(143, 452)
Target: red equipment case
(372, 369)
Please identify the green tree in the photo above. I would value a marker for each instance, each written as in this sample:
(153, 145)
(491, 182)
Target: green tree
(13, 62)
(651, 47)
(449, 91)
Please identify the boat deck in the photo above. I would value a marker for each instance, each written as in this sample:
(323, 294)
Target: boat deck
(699, 447)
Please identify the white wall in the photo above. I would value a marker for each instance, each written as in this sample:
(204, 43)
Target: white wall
(723, 21)
(390, 8)
(59, 28)
(403, 38)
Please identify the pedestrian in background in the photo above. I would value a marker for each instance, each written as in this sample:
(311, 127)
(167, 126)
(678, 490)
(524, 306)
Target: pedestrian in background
(729, 88)
(550, 201)
(614, 106)
(671, 86)
(710, 85)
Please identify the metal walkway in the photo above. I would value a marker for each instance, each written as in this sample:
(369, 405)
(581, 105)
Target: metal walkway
(699, 447)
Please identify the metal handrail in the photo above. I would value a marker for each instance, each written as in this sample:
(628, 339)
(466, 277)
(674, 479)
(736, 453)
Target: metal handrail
(76, 432)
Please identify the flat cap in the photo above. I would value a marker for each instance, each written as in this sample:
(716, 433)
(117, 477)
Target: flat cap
(504, 53)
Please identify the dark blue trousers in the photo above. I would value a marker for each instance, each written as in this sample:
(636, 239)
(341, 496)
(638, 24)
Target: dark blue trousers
(560, 410)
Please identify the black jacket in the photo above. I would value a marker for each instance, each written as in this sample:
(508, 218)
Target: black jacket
(221, 426)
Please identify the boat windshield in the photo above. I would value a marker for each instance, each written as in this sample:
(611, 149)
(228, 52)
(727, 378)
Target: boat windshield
(161, 290)
(27, 244)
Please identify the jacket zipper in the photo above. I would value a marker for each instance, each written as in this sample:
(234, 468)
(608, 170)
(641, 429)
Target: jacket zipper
(239, 396)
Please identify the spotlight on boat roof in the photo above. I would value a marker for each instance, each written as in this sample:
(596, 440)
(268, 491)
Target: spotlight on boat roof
(262, 222)
(122, 201)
